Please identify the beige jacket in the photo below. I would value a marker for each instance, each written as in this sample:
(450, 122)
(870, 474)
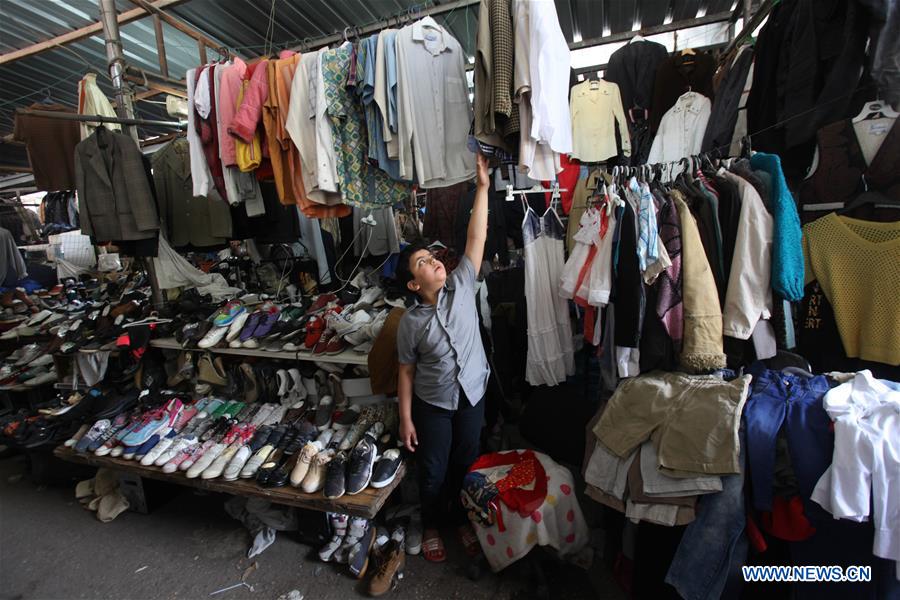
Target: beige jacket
(702, 347)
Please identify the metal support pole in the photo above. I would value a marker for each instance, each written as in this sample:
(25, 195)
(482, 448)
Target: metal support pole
(124, 103)
(748, 10)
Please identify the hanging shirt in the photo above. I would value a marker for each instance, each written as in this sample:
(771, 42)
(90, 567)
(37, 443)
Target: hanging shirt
(386, 88)
(681, 130)
(361, 183)
(596, 107)
(326, 167)
(433, 101)
(92, 101)
(199, 169)
(749, 295)
(302, 126)
(536, 159)
(365, 75)
(229, 87)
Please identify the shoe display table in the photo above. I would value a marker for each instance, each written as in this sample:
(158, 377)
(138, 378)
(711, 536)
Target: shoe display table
(366, 504)
(347, 357)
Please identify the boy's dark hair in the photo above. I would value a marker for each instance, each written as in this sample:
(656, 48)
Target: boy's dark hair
(404, 273)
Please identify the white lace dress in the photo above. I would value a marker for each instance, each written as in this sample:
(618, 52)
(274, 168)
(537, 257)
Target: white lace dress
(550, 349)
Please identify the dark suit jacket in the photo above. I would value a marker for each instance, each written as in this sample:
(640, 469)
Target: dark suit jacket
(115, 202)
(199, 221)
(633, 68)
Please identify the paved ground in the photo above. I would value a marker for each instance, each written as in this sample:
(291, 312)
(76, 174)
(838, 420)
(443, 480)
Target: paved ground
(50, 547)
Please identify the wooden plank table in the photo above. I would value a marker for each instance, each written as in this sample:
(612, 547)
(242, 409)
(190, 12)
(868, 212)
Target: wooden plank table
(366, 504)
(348, 357)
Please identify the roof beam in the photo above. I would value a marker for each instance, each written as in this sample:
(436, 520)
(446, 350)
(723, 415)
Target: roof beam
(177, 23)
(83, 32)
(647, 31)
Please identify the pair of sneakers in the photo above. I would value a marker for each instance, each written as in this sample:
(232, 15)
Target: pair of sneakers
(247, 329)
(350, 472)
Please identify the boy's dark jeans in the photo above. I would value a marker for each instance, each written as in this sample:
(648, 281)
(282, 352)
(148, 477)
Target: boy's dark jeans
(449, 442)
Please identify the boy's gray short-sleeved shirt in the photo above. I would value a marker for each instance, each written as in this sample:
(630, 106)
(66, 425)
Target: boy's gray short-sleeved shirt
(444, 343)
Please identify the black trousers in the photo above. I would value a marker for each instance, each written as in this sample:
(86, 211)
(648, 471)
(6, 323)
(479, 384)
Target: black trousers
(449, 442)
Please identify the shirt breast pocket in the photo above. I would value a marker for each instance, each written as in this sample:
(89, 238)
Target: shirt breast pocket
(456, 90)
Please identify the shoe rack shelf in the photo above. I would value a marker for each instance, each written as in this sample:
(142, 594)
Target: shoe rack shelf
(347, 357)
(366, 504)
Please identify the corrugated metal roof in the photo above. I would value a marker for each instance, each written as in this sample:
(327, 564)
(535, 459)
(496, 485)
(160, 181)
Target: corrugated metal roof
(243, 27)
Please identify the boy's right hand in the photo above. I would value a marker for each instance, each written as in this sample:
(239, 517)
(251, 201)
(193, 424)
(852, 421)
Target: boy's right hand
(408, 434)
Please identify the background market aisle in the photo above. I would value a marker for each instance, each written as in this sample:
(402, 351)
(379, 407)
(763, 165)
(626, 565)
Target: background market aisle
(50, 547)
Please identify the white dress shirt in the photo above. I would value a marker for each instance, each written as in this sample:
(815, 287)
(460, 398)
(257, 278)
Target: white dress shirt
(681, 129)
(549, 62)
(536, 158)
(199, 169)
(301, 125)
(434, 107)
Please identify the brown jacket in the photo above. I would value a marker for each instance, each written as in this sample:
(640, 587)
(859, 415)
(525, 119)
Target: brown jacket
(115, 201)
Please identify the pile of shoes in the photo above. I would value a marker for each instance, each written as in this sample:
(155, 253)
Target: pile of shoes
(28, 366)
(308, 444)
(367, 548)
(326, 324)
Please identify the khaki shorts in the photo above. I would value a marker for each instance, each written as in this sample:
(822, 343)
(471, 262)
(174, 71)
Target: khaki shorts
(693, 421)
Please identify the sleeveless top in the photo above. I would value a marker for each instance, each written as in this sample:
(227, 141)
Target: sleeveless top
(842, 173)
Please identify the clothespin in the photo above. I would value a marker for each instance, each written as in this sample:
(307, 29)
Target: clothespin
(509, 192)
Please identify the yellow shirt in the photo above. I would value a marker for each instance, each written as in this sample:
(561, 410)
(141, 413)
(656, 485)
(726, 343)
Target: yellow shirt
(857, 264)
(596, 107)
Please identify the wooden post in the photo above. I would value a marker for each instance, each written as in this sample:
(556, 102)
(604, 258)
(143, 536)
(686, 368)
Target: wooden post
(202, 47)
(160, 46)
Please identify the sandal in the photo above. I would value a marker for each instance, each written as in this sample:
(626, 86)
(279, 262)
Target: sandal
(469, 540)
(433, 547)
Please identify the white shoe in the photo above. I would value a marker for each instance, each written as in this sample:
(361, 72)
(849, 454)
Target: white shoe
(240, 458)
(213, 337)
(164, 444)
(284, 382)
(256, 461)
(178, 444)
(218, 465)
(205, 461)
(262, 414)
(301, 467)
(234, 330)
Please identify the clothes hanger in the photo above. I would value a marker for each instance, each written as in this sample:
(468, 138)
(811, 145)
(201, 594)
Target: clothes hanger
(876, 199)
(877, 109)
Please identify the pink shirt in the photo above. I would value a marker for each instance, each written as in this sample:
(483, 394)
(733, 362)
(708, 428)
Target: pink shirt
(229, 88)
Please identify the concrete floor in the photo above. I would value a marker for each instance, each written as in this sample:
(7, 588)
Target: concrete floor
(50, 547)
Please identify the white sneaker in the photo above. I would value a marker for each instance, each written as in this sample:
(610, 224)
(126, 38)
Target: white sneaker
(262, 414)
(195, 455)
(256, 461)
(234, 330)
(164, 444)
(205, 461)
(178, 444)
(213, 337)
(284, 382)
(218, 465)
(240, 458)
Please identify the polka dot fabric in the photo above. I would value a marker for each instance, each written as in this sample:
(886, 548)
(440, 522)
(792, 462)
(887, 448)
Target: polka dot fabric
(557, 523)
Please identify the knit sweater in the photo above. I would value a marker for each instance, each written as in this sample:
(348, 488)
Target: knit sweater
(857, 265)
(787, 252)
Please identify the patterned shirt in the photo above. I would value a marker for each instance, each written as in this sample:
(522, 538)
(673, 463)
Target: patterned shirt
(360, 183)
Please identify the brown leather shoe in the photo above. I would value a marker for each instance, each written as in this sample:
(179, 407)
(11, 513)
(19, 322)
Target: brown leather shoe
(391, 563)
